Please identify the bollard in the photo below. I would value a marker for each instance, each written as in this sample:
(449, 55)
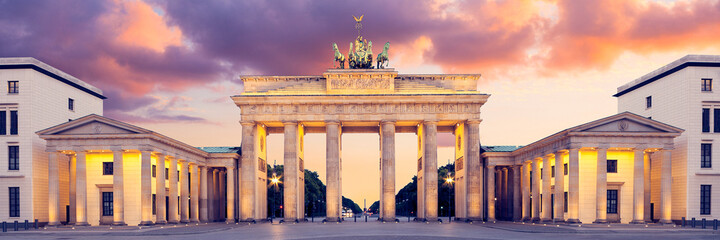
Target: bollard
(365, 218)
(715, 224)
(16, 226)
(683, 221)
(36, 224)
(27, 225)
(692, 224)
(4, 226)
(355, 217)
(703, 223)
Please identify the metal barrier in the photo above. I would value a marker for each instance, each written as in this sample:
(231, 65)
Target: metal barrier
(703, 223)
(693, 223)
(16, 226)
(715, 224)
(683, 222)
(4, 226)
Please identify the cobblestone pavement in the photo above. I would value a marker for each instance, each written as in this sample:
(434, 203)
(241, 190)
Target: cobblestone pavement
(370, 230)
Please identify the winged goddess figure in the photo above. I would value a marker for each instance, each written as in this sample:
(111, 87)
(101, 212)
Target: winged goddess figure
(358, 20)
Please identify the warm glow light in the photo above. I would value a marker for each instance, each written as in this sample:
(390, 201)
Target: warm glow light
(449, 180)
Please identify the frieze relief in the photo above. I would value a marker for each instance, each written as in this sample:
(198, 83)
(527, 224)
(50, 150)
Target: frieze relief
(361, 108)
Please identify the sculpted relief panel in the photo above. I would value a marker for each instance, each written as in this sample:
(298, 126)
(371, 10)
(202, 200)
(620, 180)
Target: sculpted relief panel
(362, 108)
(360, 83)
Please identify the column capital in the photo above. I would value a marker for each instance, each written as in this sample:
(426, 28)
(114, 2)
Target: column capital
(247, 123)
(490, 166)
(332, 122)
(383, 122)
(289, 122)
(474, 121)
(115, 148)
(640, 147)
(429, 122)
(602, 146)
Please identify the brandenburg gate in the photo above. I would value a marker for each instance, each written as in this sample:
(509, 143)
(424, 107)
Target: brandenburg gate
(361, 101)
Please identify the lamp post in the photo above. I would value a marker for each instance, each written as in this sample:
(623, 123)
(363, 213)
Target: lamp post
(274, 182)
(449, 180)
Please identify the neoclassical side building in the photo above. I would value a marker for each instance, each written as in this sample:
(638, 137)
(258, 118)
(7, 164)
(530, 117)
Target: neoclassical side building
(606, 170)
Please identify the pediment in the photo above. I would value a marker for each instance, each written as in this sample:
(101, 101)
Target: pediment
(626, 122)
(91, 125)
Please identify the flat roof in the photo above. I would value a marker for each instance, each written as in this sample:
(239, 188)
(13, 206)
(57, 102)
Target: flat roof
(44, 68)
(677, 65)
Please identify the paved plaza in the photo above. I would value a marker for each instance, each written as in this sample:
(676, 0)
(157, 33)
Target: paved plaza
(371, 230)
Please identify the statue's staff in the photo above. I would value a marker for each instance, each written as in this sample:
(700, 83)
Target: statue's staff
(358, 23)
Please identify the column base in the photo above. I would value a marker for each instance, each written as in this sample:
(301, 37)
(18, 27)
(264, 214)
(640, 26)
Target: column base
(546, 220)
(146, 223)
(600, 221)
(82, 224)
(331, 219)
(388, 219)
(535, 219)
(573, 220)
(666, 221)
(119, 223)
(185, 221)
(559, 220)
(160, 222)
(172, 222)
(525, 219)
(491, 219)
(194, 221)
(638, 221)
(53, 224)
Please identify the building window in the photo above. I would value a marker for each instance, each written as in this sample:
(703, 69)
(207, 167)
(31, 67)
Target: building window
(705, 199)
(705, 120)
(107, 203)
(14, 201)
(707, 85)
(531, 182)
(13, 87)
(612, 198)
(107, 168)
(648, 101)
(541, 173)
(167, 173)
(14, 122)
(706, 155)
(565, 169)
(154, 205)
(612, 166)
(71, 104)
(565, 204)
(13, 157)
(3, 123)
(154, 171)
(552, 171)
(716, 120)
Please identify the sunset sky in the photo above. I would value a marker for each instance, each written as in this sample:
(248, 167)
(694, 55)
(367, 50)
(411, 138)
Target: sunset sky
(170, 66)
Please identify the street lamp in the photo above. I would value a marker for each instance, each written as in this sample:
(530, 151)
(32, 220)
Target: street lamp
(449, 180)
(274, 181)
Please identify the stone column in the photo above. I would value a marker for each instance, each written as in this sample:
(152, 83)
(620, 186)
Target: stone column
(332, 166)
(81, 189)
(248, 176)
(666, 187)
(73, 187)
(431, 174)
(184, 192)
(601, 187)
(517, 201)
(505, 192)
(145, 188)
(53, 189)
(216, 206)
(639, 186)
(203, 193)
(194, 193)
(230, 176)
(474, 172)
(526, 215)
(546, 190)
(491, 193)
(290, 193)
(559, 188)
(646, 185)
(173, 191)
(160, 189)
(118, 189)
(535, 190)
(574, 185)
(388, 170)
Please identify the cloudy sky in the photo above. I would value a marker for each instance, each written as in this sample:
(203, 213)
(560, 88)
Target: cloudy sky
(171, 66)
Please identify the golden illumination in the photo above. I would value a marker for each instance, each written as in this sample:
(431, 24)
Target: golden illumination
(449, 180)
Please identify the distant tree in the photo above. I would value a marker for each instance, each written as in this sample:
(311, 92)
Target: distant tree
(350, 204)
(406, 198)
(374, 208)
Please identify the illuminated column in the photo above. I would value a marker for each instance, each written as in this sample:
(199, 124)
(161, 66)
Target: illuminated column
(639, 186)
(535, 176)
(73, 187)
(474, 172)
(491, 192)
(290, 193)
(53, 189)
(145, 188)
(248, 176)
(646, 184)
(221, 195)
(601, 187)
(332, 154)
(160, 189)
(666, 187)
(559, 188)
(173, 191)
(118, 189)
(516, 200)
(574, 185)
(216, 206)
(194, 190)
(546, 192)
(388, 170)
(503, 192)
(526, 215)
(431, 174)
(203, 193)
(81, 189)
(230, 185)
(184, 192)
